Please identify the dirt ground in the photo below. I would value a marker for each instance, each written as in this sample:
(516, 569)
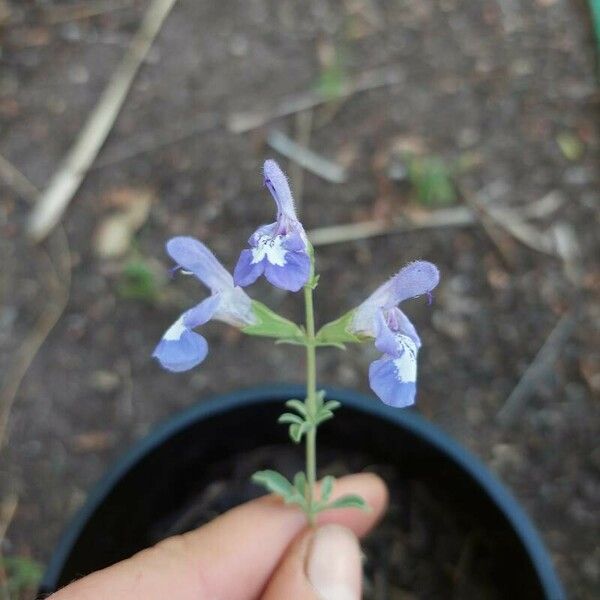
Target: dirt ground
(504, 90)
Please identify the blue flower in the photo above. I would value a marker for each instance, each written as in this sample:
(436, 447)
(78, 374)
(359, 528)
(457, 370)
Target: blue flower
(181, 348)
(393, 377)
(279, 250)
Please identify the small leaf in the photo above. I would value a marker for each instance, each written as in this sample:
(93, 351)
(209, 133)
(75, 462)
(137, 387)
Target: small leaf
(298, 430)
(332, 405)
(290, 418)
(270, 324)
(322, 416)
(295, 433)
(274, 482)
(349, 501)
(297, 405)
(300, 483)
(432, 181)
(570, 145)
(327, 487)
(337, 332)
(21, 574)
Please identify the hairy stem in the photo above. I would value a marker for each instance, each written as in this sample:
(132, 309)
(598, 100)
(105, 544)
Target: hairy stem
(311, 400)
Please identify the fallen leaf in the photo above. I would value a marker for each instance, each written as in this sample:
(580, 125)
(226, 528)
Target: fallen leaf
(570, 145)
(92, 441)
(114, 235)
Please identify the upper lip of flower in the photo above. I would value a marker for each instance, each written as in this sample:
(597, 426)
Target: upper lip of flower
(278, 250)
(415, 279)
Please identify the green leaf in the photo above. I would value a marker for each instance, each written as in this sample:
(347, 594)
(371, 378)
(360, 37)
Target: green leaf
(274, 482)
(327, 487)
(138, 282)
(290, 418)
(297, 405)
(349, 501)
(322, 416)
(300, 483)
(570, 145)
(432, 181)
(298, 430)
(295, 433)
(331, 405)
(337, 333)
(332, 81)
(22, 574)
(270, 324)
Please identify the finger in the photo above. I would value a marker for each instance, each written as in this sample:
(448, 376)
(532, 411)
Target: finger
(231, 557)
(324, 564)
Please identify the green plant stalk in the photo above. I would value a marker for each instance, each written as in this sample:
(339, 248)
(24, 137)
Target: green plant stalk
(311, 401)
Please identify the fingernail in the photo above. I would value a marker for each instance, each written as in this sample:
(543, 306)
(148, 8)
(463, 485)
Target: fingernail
(334, 565)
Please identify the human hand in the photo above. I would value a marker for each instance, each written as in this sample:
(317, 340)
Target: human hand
(261, 549)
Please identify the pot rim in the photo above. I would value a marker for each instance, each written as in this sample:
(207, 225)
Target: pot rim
(406, 419)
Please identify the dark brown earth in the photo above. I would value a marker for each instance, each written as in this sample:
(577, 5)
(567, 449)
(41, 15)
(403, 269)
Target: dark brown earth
(507, 88)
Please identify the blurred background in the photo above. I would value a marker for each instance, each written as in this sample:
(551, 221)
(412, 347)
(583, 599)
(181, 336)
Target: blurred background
(465, 133)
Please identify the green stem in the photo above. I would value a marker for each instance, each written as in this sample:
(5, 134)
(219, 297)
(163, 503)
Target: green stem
(311, 400)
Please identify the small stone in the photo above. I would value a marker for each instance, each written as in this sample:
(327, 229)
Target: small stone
(105, 381)
(238, 46)
(505, 457)
(79, 74)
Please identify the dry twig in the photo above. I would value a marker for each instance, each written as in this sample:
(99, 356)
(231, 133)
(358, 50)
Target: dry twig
(241, 122)
(59, 282)
(8, 508)
(15, 180)
(303, 130)
(460, 216)
(450, 217)
(55, 15)
(306, 158)
(538, 369)
(65, 182)
(146, 143)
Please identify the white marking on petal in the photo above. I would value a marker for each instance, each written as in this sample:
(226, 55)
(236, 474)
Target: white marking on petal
(271, 248)
(175, 331)
(406, 364)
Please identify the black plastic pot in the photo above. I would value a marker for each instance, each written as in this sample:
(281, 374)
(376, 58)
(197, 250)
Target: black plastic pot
(161, 471)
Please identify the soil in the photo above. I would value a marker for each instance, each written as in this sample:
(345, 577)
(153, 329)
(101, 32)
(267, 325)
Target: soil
(504, 91)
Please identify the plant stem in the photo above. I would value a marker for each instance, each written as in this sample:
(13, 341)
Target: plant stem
(311, 400)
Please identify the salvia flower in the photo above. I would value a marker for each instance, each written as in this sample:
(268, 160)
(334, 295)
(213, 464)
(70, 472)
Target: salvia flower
(393, 377)
(279, 250)
(181, 348)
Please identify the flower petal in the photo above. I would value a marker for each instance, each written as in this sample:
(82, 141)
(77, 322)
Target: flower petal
(235, 308)
(399, 322)
(293, 275)
(247, 272)
(194, 256)
(279, 187)
(385, 339)
(365, 314)
(385, 380)
(415, 279)
(180, 349)
(295, 242)
(203, 312)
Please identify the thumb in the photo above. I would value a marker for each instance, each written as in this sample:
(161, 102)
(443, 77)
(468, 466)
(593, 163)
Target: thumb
(323, 564)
